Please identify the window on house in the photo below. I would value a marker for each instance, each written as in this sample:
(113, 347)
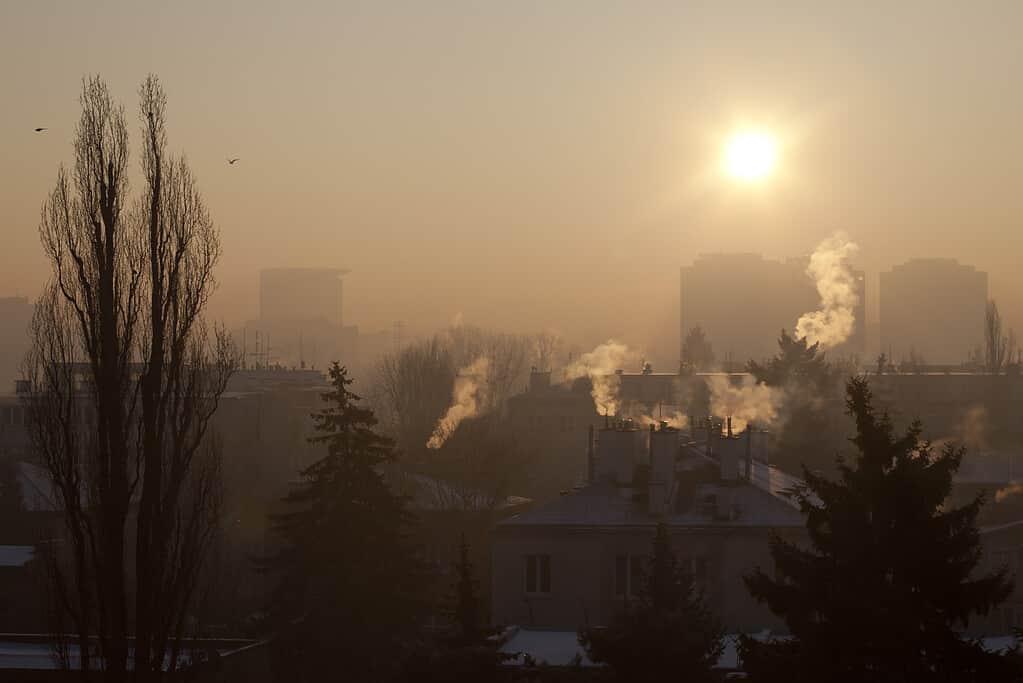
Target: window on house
(538, 573)
(629, 573)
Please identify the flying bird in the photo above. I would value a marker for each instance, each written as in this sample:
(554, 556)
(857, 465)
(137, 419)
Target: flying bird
(231, 161)
(40, 130)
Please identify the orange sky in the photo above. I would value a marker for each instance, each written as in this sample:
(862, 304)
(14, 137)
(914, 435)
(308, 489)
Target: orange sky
(540, 164)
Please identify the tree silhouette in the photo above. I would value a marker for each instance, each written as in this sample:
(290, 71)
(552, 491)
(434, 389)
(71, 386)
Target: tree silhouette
(124, 379)
(890, 571)
(797, 363)
(464, 651)
(999, 348)
(812, 406)
(697, 352)
(669, 635)
(349, 587)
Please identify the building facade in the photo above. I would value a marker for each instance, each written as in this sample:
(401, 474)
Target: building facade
(932, 309)
(579, 559)
(742, 301)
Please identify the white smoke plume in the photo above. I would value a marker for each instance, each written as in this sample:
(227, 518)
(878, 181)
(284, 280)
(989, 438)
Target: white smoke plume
(600, 365)
(674, 419)
(836, 319)
(1013, 489)
(972, 429)
(470, 385)
(745, 403)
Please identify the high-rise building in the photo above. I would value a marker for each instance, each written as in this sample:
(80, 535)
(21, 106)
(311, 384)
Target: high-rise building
(301, 295)
(933, 309)
(300, 319)
(15, 316)
(743, 301)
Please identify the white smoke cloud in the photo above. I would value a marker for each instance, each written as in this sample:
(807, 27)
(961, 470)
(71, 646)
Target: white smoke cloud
(675, 419)
(1009, 491)
(470, 385)
(600, 365)
(836, 319)
(744, 403)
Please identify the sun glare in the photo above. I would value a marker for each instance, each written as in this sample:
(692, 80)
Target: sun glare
(750, 156)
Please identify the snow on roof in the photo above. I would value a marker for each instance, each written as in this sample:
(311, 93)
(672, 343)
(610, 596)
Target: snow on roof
(37, 653)
(15, 555)
(561, 648)
(554, 648)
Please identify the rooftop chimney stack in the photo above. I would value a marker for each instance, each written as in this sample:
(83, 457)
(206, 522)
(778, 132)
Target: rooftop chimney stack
(749, 451)
(618, 451)
(590, 464)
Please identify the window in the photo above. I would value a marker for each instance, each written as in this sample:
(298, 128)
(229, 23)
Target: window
(538, 574)
(629, 573)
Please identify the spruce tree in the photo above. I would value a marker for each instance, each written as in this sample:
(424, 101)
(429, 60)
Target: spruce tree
(467, 604)
(465, 650)
(349, 592)
(668, 635)
(812, 390)
(798, 364)
(889, 576)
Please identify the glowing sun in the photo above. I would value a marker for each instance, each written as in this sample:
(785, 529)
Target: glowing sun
(750, 156)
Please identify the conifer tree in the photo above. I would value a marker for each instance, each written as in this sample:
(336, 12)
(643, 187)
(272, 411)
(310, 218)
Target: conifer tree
(889, 577)
(349, 591)
(465, 651)
(467, 604)
(669, 635)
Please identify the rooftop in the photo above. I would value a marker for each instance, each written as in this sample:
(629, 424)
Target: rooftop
(607, 505)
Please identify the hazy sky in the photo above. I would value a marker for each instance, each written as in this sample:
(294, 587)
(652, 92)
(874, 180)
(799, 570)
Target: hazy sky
(540, 164)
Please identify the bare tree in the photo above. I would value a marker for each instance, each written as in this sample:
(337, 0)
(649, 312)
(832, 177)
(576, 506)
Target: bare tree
(508, 356)
(999, 349)
(697, 352)
(414, 386)
(125, 377)
(545, 347)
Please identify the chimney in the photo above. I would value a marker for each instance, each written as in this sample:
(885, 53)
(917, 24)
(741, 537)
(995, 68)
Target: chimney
(664, 448)
(590, 465)
(749, 451)
(618, 451)
(729, 426)
(650, 450)
(728, 457)
(539, 380)
(760, 444)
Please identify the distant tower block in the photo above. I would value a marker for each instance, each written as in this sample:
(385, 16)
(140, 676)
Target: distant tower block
(301, 295)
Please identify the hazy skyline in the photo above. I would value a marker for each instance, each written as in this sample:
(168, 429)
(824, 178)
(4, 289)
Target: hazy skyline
(539, 165)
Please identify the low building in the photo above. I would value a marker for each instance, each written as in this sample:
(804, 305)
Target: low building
(579, 559)
(551, 421)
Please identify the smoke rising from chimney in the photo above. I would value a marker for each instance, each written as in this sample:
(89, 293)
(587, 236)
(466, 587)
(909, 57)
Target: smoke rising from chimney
(470, 384)
(745, 403)
(1009, 491)
(675, 419)
(836, 319)
(600, 365)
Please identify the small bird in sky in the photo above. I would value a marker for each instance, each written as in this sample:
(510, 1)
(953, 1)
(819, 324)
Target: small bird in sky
(40, 130)
(231, 161)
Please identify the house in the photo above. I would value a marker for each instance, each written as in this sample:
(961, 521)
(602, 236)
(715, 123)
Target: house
(577, 560)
